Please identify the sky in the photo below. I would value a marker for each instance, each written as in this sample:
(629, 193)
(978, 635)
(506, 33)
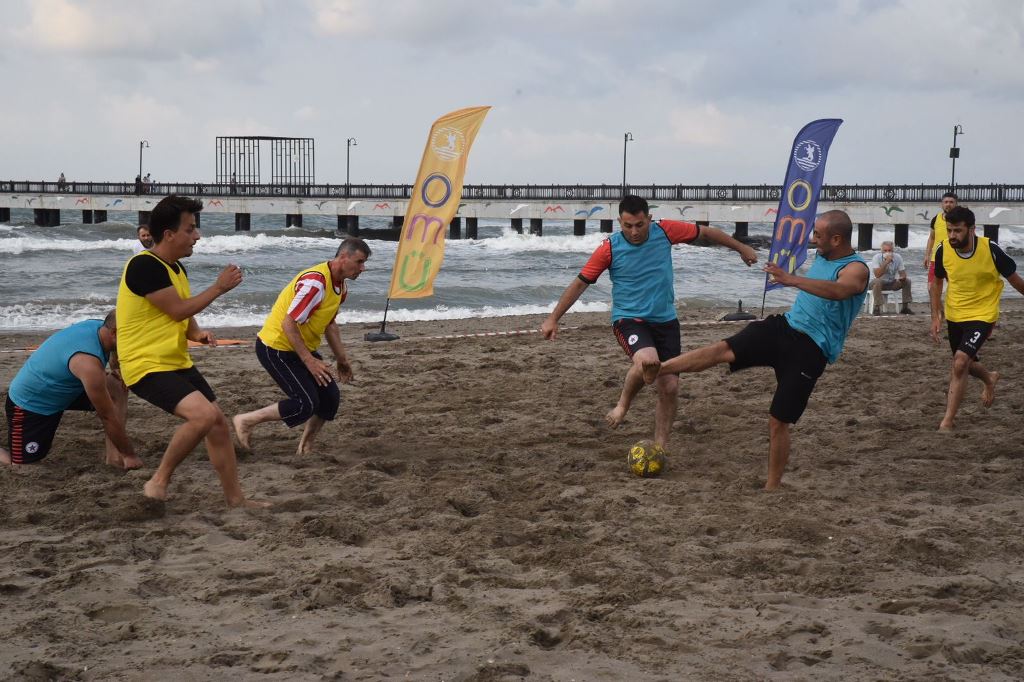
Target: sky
(712, 92)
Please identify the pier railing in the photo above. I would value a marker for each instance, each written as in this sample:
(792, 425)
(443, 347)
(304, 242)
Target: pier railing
(577, 193)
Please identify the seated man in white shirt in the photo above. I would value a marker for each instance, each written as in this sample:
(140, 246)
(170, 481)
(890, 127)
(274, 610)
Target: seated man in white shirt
(145, 239)
(890, 275)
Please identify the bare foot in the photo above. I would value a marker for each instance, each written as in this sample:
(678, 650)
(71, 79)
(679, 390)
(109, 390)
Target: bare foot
(988, 394)
(154, 490)
(114, 459)
(945, 428)
(615, 417)
(129, 462)
(243, 431)
(771, 486)
(650, 371)
(5, 457)
(304, 448)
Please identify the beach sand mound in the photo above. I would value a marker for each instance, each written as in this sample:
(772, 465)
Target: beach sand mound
(468, 516)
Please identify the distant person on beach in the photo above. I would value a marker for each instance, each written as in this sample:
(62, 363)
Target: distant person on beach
(799, 344)
(890, 275)
(303, 315)
(155, 309)
(937, 233)
(639, 260)
(145, 239)
(974, 267)
(68, 372)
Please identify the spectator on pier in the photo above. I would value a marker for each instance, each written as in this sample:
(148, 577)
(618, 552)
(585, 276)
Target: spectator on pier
(890, 275)
(62, 184)
(138, 184)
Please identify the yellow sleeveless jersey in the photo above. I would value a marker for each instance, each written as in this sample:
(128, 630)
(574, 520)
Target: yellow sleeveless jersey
(148, 340)
(313, 303)
(975, 284)
(941, 233)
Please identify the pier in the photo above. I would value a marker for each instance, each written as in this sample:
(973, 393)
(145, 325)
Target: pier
(526, 207)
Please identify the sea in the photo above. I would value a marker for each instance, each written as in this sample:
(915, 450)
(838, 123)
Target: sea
(51, 277)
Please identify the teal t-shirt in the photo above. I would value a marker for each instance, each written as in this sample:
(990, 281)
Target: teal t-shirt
(44, 384)
(827, 322)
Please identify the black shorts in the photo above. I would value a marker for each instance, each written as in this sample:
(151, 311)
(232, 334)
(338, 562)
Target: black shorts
(30, 434)
(634, 334)
(968, 336)
(166, 389)
(796, 358)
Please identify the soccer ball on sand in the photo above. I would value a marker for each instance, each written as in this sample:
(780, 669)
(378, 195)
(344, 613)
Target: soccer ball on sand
(646, 459)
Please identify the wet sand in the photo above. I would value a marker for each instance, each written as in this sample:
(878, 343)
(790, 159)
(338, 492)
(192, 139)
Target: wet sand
(469, 517)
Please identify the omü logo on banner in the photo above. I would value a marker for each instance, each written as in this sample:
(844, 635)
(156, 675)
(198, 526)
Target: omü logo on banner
(799, 200)
(435, 199)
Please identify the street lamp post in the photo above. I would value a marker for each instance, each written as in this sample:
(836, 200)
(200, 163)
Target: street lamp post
(626, 139)
(954, 154)
(142, 143)
(349, 143)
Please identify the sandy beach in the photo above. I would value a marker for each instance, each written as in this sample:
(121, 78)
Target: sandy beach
(469, 517)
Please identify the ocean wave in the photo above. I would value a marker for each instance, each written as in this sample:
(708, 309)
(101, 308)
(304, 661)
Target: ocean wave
(47, 316)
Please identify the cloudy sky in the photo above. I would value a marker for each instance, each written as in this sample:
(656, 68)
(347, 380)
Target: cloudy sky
(712, 92)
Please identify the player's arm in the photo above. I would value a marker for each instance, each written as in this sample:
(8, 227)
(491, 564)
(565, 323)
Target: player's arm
(333, 336)
(852, 280)
(196, 333)
(716, 236)
(318, 368)
(89, 370)
(177, 308)
(931, 243)
(598, 262)
(935, 295)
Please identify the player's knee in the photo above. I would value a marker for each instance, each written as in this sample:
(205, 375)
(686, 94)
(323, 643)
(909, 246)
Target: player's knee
(668, 385)
(205, 418)
(307, 408)
(961, 362)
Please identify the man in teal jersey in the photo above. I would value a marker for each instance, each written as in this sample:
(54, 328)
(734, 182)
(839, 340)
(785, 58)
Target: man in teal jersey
(68, 372)
(639, 260)
(799, 344)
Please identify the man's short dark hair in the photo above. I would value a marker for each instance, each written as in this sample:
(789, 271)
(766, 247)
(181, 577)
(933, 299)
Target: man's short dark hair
(166, 215)
(950, 195)
(141, 227)
(838, 222)
(110, 321)
(961, 215)
(633, 204)
(351, 245)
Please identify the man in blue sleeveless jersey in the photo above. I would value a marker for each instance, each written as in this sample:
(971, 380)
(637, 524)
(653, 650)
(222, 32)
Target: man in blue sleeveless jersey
(799, 344)
(68, 372)
(639, 259)
(975, 267)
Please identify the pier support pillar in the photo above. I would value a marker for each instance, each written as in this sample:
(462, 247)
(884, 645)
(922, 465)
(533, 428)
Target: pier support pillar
(243, 222)
(606, 226)
(455, 228)
(54, 217)
(352, 225)
(293, 220)
(471, 228)
(5, 215)
(537, 226)
(579, 227)
(741, 231)
(864, 231)
(397, 221)
(99, 216)
(517, 225)
(902, 235)
(87, 217)
(992, 232)
(40, 216)
(143, 218)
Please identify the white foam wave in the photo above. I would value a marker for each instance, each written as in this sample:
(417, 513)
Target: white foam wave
(511, 241)
(19, 245)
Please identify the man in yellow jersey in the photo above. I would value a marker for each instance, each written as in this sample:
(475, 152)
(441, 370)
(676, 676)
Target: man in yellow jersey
(937, 233)
(974, 267)
(303, 315)
(155, 310)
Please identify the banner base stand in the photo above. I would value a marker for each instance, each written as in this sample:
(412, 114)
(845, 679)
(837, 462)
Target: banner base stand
(740, 314)
(380, 336)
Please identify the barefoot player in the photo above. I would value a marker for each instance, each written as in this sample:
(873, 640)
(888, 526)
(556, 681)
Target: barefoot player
(799, 344)
(155, 310)
(975, 267)
(301, 318)
(68, 372)
(639, 259)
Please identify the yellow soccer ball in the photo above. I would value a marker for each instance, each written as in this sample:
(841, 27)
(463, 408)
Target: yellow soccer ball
(646, 459)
